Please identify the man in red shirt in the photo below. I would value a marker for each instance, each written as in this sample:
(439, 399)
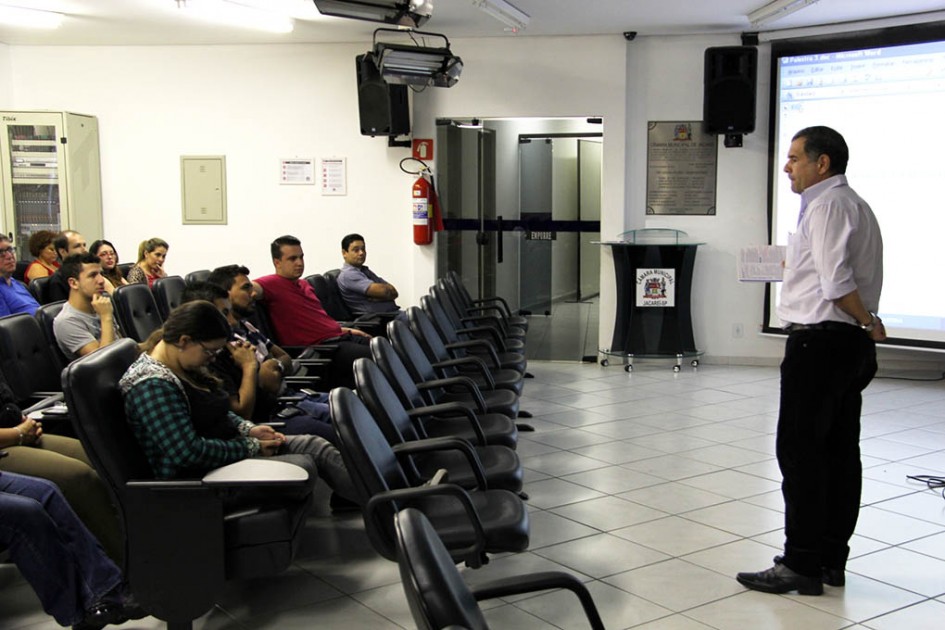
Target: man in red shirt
(297, 316)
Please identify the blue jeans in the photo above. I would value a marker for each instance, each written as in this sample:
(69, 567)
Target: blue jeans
(57, 555)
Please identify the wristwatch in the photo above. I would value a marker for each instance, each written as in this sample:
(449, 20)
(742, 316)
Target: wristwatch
(868, 327)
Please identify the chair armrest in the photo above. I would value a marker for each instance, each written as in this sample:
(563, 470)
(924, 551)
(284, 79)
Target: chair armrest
(478, 363)
(460, 381)
(478, 343)
(499, 300)
(494, 335)
(255, 471)
(302, 381)
(406, 495)
(520, 584)
(442, 444)
(48, 401)
(431, 411)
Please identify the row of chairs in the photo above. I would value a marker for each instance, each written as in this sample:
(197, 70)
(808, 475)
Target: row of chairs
(179, 583)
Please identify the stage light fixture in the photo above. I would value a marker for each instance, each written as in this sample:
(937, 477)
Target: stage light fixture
(413, 64)
(410, 13)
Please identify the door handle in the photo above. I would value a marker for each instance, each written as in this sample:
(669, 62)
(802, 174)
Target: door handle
(499, 239)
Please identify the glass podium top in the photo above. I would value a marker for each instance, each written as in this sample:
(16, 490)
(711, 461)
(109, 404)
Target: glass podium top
(652, 236)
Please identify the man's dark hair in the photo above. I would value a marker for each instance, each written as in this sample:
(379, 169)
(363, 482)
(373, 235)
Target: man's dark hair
(61, 242)
(206, 291)
(346, 241)
(72, 265)
(825, 141)
(276, 247)
(225, 276)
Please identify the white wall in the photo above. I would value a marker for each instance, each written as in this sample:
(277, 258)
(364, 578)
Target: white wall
(6, 89)
(666, 84)
(547, 77)
(253, 104)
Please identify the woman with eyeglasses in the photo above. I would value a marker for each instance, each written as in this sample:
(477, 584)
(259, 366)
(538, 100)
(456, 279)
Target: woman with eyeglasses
(150, 265)
(181, 416)
(43, 251)
(107, 253)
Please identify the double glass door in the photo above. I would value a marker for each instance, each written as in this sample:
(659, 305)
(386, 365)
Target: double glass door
(521, 208)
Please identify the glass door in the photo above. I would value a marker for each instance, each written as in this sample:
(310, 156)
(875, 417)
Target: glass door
(31, 164)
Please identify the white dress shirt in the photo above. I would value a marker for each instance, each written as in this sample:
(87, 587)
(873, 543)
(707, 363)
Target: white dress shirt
(837, 248)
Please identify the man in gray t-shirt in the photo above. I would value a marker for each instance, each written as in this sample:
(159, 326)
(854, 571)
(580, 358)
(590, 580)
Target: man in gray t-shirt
(363, 290)
(86, 321)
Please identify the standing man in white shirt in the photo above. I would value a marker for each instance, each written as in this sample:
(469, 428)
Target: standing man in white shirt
(833, 277)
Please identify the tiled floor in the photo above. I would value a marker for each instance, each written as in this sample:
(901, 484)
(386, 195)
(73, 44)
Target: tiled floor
(656, 489)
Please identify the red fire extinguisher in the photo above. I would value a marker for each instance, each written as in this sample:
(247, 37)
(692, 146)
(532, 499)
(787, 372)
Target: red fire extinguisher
(422, 215)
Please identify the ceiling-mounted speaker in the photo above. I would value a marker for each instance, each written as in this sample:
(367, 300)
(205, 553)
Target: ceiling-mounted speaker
(728, 102)
(383, 108)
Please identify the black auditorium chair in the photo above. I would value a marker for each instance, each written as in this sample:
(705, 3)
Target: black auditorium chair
(198, 275)
(20, 272)
(473, 314)
(136, 310)
(435, 390)
(31, 370)
(40, 289)
(460, 342)
(439, 597)
(478, 327)
(471, 523)
(124, 268)
(326, 290)
(494, 304)
(486, 376)
(450, 419)
(45, 314)
(167, 292)
(498, 466)
(182, 542)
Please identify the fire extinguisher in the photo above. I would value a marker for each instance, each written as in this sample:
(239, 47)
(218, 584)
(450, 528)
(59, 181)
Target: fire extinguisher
(422, 211)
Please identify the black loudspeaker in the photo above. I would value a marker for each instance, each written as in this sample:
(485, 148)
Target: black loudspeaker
(383, 108)
(728, 102)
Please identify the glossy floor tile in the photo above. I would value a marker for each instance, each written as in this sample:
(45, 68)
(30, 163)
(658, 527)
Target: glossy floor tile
(654, 489)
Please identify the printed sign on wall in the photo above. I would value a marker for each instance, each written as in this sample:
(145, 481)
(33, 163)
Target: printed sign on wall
(656, 288)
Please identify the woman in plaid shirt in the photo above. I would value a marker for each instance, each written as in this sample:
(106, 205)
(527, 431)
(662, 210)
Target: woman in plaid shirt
(182, 419)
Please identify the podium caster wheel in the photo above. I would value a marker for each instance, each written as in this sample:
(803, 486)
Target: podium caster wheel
(675, 368)
(604, 362)
(695, 363)
(628, 368)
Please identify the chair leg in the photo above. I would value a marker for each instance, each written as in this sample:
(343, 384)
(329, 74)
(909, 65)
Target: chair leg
(521, 426)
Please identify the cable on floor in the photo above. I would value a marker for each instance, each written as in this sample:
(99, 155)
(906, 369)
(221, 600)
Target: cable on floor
(934, 482)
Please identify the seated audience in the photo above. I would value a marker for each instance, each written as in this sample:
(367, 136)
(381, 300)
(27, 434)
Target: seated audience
(63, 461)
(364, 291)
(182, 418)
(67, 243)
(299, 318)
(108, 255)
(75, 581)
(14, 296)
(86, 321)
(42, 249)
(254, 379)
(150, 265)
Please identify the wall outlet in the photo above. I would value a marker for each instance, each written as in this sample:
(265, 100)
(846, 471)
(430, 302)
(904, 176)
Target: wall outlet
(738, 331)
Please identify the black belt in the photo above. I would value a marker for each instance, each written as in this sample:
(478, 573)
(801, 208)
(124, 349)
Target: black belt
(831, 326)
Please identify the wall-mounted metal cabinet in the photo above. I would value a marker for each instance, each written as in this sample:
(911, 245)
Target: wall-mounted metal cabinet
(50, 172)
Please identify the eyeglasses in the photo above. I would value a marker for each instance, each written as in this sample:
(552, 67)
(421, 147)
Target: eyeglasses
(107, 254)
(210, 352)
(8, 250)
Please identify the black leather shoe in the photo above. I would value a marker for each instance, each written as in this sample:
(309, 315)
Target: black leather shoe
(834, 577)
(780, 579)
(101, 615)
(830, 577)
